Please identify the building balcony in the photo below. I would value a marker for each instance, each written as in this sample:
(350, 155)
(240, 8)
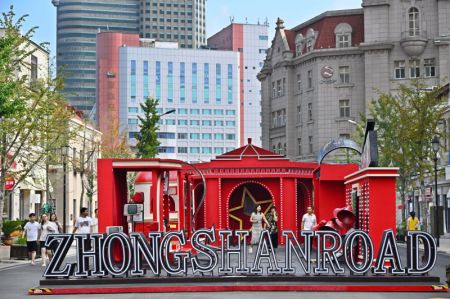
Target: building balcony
(413, 42)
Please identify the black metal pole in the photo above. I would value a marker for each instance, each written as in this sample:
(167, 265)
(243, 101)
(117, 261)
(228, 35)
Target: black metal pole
(64, 194)
(437, 200)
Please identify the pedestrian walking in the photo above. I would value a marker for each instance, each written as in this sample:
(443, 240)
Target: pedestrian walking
(272, 219)
(256, 218)
(412, 223)
(83, 225)
(309, 219)
(46, 227)
(54, 218)
(31, 231)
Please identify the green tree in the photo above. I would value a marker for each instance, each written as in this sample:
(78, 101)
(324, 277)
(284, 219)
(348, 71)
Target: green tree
(406, 122)
(33, 114)
(147, 139)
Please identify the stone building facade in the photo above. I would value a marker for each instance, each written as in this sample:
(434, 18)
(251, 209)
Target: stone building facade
(321, 75)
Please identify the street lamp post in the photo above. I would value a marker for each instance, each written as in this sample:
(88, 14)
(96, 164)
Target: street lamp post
(435, 145)
(65, 150)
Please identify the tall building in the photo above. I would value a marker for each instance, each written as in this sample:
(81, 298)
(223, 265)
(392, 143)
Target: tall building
(202, 86)
(78, 23)
(182, 21)
(322, 73)
(251, 41)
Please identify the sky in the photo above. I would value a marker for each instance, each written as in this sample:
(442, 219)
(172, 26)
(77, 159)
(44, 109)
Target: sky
(218, 12)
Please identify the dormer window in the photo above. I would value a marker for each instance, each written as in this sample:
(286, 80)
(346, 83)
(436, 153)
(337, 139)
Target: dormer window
(413, 18)
(310, 40)
(343, 32)
(299, 44)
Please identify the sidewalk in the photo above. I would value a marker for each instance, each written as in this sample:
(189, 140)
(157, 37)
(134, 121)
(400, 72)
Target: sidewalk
(12, 263)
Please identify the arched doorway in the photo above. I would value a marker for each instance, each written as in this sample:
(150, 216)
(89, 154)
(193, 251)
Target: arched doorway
(304, 199)
(243, 201)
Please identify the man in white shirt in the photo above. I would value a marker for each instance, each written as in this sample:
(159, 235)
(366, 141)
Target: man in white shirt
(309, 219)
(83, 225)
(31, 231)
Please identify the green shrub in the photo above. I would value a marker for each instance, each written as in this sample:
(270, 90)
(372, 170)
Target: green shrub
(10, 226)
(21, 241)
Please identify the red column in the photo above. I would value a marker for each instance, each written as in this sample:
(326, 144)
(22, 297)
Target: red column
(211, 203)
(105, 179)
(288, 204)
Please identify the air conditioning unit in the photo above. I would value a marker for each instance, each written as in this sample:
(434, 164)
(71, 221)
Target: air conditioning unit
(132, 209)
(114, 229)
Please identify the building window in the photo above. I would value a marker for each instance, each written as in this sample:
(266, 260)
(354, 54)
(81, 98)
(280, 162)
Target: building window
(206, 83)
(194, 150)
(132, 121)
(280, 149)
(207, 122)
(299, 146)
(310, 112)
(133, 80)
(206, 111)
(206, 150)
(344, 136)
(399, 67)
(414, 68)
(310, 78)
(158, 81)
(343, 41)
(182, 150)
(194, 122)
(207, 136)
(133, 109)
(299, 114)
(194, 136)
(170, 82)
(230, 84)
(299, 82)
(309, 43)
(218, 112)
(343, 33)
(182, 111)
(145, 83)
(218, 83)
(218, 123)
(413, 14)
(182, 122)
(285, 149)
(263, 37)
(279, 88)
(274, 90)
(194, 83)
(34, 68)
(284, 86)
(195, 111)
(310, 142)
(218, 150)
(230, 112)
(274, 119)
(182, 83)
(218, 136)
(344, 74)
(182, 135)
(344, 108)
(230, 123)
(230, 137)
(430, 67)
(299, 40)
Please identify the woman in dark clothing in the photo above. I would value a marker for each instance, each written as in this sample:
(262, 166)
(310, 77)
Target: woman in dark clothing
(272, 218)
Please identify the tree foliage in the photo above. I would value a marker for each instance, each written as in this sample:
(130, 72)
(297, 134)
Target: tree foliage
(406, 122)
(147, 139)
(33, 114)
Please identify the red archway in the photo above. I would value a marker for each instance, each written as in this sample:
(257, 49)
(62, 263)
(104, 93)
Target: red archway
(242, 202)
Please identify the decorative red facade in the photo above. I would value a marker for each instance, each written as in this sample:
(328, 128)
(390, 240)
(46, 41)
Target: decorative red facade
(239, 180)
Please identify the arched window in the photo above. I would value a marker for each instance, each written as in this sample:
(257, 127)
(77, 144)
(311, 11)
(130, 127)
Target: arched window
(413, 17)
(299, 43)
(343, 32)
(310, 40)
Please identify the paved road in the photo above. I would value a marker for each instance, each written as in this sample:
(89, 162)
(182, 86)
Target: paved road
(14, 283)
